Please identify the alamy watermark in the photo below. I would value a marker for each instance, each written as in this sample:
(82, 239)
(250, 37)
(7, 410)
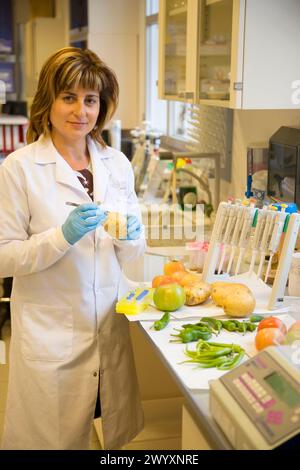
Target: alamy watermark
(170, 224)
(295, 97)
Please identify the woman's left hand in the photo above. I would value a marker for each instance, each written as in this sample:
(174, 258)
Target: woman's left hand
(134, 227)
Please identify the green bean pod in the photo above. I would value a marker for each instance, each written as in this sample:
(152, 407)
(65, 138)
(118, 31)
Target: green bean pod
(163, 322)
(229, 325)
(256, 318)
(251, 326)
(214, 323)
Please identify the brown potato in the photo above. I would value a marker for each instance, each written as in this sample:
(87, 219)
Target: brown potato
(219, 291)
(197, 293)
(116, 225)
(240, 304)
(236, 299)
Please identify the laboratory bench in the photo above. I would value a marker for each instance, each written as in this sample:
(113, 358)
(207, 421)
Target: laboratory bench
(199, 430)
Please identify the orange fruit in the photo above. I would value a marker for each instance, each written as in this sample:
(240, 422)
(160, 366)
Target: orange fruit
(272, 322)
(178, 276)
(172, 267)
(162, 279)
(268, 337)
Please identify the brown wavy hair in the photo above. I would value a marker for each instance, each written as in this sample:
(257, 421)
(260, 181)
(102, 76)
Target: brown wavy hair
(69, 68)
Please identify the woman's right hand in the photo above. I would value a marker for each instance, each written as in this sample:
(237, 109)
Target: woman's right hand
(81, 220)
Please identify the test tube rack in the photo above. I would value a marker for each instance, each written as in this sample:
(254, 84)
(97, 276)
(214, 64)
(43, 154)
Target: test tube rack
(242, 216)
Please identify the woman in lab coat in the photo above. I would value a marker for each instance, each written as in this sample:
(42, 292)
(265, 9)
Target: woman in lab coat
(66, 337)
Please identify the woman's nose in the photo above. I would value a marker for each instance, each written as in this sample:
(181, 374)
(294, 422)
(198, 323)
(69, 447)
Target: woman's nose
(79, 108)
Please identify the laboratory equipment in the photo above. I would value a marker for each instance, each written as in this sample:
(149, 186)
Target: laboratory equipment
(202, 184)
(228, 234)
(213, 254)
(115, 132)
(284, 165)
(235, 236)
(76, 204)
(290, 207)
(12, 133)
(257, 165)
(257, 404)
(268, 237)
(259, 228)
(294, 276)
(278, 230)
(142, 152)
(245, 235)
(135, 301)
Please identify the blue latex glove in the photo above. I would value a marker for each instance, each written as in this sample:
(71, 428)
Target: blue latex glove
(82, 220)
(134, 227)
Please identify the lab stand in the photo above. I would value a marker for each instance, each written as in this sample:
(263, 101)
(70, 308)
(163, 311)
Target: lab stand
(178, 196)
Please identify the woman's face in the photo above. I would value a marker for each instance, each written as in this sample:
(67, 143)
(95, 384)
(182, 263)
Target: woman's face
(74, 113)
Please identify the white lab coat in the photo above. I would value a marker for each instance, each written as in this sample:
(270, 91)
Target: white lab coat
(64, 328)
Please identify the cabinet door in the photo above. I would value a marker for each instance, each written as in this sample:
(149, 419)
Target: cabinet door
(178, 37)
(271, 64)
(38, 47)
(214, 49)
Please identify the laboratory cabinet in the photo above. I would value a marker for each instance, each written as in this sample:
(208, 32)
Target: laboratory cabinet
(7, 53)
(43, 36)
(111, 30)
(238, 54)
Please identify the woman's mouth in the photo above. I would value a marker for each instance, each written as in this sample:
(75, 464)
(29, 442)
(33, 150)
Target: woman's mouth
(77, 124)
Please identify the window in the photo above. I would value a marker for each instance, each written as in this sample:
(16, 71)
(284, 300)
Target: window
(151, 7)
(156, 109)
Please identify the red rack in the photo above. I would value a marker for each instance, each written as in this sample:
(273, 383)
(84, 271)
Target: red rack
(12, 133)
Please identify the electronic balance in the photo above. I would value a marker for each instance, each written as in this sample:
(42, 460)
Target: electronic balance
(257, 404)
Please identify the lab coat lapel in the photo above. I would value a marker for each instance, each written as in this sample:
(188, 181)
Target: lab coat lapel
(46, 153)
(65, 175)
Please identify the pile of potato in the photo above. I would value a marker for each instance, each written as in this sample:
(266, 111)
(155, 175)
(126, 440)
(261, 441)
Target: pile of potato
(237, 300)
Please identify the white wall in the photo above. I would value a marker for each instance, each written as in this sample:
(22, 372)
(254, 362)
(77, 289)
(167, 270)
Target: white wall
(114, 36)
(248, 127)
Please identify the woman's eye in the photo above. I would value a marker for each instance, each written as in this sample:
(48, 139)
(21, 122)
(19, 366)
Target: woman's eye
(91, 101)
(68, 98)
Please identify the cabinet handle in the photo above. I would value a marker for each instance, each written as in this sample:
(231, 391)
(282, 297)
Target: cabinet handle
(238, 85)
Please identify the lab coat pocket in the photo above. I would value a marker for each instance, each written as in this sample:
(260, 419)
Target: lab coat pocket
(47, 332)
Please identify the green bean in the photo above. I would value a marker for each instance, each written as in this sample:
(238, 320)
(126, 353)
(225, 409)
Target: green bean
(200, 324)
(242, 327)
(256, 318)
(219, 345)
(215, 353)
(188, 335)
(234, 362)
(229, 325)
(236, 325)
(214, 323)
(162, 323)
(251, 326)
(220, 355)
